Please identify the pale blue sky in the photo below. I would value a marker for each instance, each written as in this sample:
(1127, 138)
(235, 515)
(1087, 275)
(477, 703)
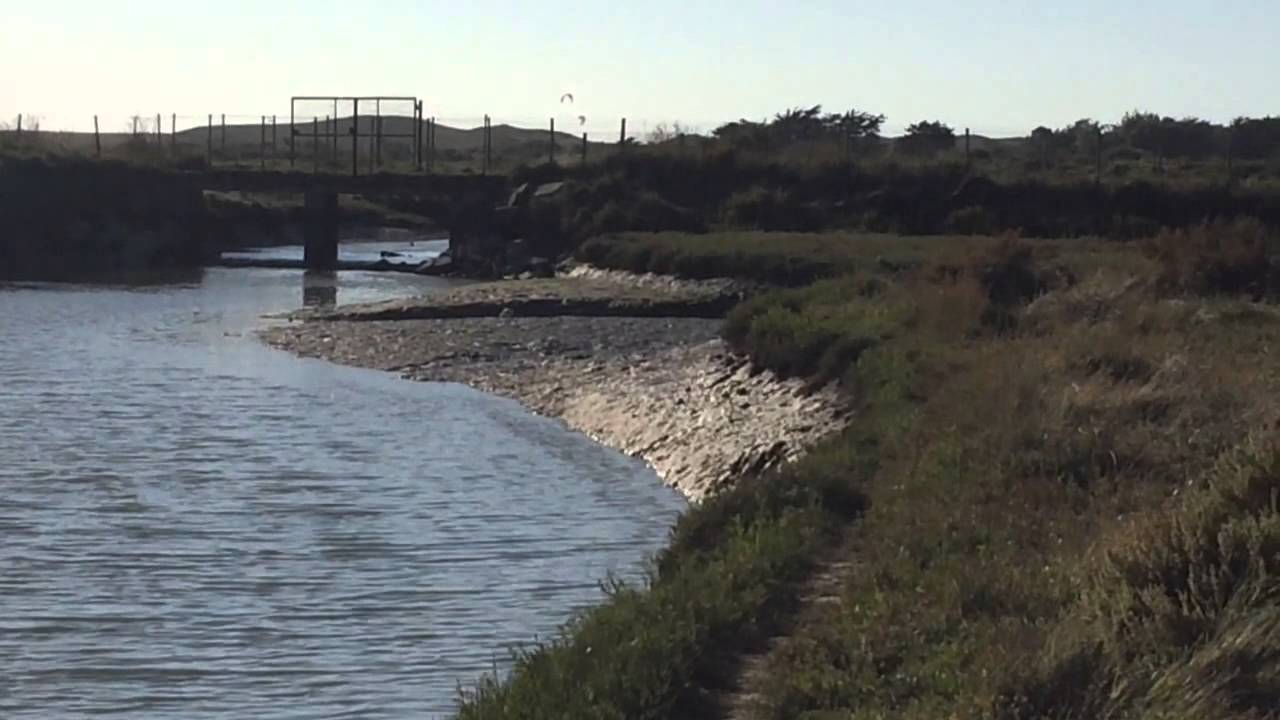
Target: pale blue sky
(1000, 67)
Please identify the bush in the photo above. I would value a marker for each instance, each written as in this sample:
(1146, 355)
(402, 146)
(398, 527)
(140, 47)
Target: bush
(1215, 258)
(971, 220)
(1132, 227)
(758, 208)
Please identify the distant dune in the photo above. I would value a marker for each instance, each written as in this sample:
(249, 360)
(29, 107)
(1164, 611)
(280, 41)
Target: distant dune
(248, 137)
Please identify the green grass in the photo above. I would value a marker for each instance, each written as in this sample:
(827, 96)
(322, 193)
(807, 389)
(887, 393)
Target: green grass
(789, 259)
(800, 259)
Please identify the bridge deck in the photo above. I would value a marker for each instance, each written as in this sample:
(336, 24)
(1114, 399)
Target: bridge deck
(379, 183)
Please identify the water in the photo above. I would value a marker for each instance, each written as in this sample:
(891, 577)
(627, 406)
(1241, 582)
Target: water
(195, 526)
(395, 251)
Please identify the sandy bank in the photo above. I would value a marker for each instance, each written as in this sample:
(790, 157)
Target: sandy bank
(665, 389)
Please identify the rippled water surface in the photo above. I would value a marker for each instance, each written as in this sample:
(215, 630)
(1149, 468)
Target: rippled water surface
(195, 526)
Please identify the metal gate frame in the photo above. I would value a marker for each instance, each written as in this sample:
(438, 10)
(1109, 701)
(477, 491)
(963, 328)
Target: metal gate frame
(375, 135)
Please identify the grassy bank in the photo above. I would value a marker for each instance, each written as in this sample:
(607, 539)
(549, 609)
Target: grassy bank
(792, 259)
(1057, 498)
(727, 189)
(789, 259)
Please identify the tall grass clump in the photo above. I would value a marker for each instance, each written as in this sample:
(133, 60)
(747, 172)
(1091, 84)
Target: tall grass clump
(1221, 257)
(1180, 612)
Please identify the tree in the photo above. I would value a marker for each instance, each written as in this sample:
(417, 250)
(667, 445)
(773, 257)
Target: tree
(1082, 136)
(854, 124)
(928, 138)
(798, 124)
(744, 134)
(1043, 143)
(1166, 137)
(1256, 138)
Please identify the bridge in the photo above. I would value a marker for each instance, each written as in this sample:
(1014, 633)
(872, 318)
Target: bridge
(444, 197)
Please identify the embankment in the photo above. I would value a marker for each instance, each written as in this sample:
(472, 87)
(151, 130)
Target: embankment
(638, 365)
(71, 217)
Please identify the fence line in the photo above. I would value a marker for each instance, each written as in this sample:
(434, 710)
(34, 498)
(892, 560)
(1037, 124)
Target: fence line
(488, 143)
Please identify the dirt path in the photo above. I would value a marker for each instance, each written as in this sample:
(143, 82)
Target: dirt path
(821, 590)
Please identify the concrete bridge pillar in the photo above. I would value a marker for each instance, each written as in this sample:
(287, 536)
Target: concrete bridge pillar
(320, 230)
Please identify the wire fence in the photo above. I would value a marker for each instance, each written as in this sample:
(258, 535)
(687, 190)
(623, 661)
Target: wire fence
(308, 139)
(320, 137)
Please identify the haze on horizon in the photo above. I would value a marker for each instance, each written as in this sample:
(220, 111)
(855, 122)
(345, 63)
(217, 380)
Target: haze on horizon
(999, 67)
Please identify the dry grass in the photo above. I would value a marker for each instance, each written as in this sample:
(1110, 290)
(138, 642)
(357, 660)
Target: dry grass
(1217, 258)
(1016, 452)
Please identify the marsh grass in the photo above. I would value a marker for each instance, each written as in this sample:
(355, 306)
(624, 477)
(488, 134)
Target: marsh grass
(1051, 511)
(1028, 448)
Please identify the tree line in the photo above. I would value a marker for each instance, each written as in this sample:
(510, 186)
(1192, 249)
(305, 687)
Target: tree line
(1162, 136)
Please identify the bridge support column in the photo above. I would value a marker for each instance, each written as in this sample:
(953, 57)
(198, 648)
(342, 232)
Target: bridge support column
(320, 230)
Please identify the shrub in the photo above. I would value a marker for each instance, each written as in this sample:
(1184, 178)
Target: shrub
(1132, 227)
(759, 208)
(971, 220)
(1215, 258)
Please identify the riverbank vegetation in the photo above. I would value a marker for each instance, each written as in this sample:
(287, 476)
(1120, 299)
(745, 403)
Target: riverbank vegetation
(725, 189)
(1057, 498)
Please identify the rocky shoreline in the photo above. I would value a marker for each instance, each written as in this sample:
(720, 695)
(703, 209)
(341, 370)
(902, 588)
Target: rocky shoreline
(661, 386)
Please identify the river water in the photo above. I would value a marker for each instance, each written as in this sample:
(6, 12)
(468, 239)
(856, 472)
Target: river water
(195, 526)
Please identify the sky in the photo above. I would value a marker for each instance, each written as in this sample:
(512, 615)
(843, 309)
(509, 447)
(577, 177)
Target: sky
(999, 67)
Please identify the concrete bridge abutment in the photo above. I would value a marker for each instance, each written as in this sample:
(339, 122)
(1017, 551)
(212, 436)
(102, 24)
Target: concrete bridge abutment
(320, 230)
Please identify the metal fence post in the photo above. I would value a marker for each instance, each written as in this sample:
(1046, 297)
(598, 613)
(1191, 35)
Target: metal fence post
(584, 148)
(97, 138)
(1231, 142)
(209, 141)
(262, 143)
(417, 128)
(431, 145)
(487, 145)
(551, 147)
(355, 138)
(1097, 170)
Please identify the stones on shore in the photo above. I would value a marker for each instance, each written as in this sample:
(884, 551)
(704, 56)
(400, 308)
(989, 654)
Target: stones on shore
(666, 390)
(543, 297)
(658, 386)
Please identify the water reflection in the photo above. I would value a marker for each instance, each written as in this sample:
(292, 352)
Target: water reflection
(319, 288)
